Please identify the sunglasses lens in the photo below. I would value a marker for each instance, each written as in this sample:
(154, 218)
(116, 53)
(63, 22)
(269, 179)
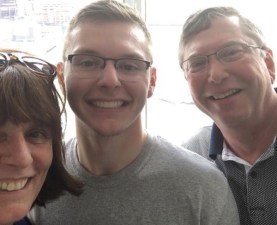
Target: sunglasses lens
(3, 61)
(39, 66)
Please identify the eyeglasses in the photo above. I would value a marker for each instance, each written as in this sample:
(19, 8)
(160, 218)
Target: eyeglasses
(227, 54)
(36, 65)
(90, 65)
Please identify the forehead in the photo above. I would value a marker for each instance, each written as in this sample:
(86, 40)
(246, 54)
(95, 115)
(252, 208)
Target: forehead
(221, 31)
(107, 38)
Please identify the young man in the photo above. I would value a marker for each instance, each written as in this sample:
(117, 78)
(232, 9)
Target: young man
(130, 176)
(230, 72)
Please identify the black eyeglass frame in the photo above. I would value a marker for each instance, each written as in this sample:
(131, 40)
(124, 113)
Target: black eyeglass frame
(16, 58)
(147, 63)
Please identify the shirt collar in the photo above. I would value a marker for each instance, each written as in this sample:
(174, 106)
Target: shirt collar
(217, 145)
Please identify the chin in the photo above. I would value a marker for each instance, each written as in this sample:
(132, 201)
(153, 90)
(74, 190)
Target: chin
(13, 214)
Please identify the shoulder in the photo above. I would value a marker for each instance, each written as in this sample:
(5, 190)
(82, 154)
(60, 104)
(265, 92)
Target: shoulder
(176, 157)
(169, 149)
(70, 144)
(193, 175)
(200, 141)
(71, 158)
(70, 147)
(202, 136)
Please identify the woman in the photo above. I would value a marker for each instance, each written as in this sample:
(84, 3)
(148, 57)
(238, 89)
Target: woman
(31, 148)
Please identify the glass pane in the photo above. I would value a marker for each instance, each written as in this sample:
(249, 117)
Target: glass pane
(39, 27)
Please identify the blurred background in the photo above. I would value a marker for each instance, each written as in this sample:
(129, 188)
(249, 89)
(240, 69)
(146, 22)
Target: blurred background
(38, 26)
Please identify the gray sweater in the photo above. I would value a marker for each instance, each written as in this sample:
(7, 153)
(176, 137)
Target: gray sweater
(165, 185)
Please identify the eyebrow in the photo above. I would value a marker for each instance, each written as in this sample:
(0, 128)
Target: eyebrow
(95, 53)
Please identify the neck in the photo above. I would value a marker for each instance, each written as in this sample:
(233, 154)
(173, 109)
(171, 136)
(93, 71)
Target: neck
(106, 155)
(251, 137)
(250, 144)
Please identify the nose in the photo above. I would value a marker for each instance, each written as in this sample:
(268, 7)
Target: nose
(16, 152)
(109, 76)
(217, 70)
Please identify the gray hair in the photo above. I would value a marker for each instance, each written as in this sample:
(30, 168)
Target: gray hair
(202, 20)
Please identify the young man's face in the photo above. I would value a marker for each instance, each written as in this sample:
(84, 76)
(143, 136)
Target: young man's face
(108, 100)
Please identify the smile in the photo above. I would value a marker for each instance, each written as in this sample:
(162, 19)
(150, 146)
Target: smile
(12, 185)
(225, 95)
(108, 104)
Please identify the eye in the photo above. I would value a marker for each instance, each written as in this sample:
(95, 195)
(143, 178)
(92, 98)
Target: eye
(38, 135)
(129, 65)
(197, 63)
(87, 62)
(230, 53)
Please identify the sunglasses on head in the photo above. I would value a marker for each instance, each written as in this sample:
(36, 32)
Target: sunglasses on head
(36, 65)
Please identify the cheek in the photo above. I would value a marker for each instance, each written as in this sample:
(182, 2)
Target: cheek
(141, 86)
(250, 70)
(72, 81)
(43, 158)
(196, 86)
(74, 87)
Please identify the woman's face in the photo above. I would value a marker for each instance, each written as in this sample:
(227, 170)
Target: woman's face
(25, 157)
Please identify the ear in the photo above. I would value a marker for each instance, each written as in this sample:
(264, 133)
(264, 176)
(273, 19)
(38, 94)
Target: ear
(60, 76)
(152, 82)
(269, 61)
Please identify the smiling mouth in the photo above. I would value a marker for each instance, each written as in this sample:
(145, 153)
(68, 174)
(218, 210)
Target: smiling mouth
(108, 104)
(13, 185)
(225, 95)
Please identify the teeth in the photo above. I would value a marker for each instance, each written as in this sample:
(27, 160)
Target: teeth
(112, 104)
(225, 94)
(12, 186)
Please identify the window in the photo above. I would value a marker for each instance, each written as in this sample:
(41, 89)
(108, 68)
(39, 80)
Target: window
(39, 26)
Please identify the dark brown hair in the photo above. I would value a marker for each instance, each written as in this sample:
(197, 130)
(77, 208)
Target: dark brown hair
(26, 96)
